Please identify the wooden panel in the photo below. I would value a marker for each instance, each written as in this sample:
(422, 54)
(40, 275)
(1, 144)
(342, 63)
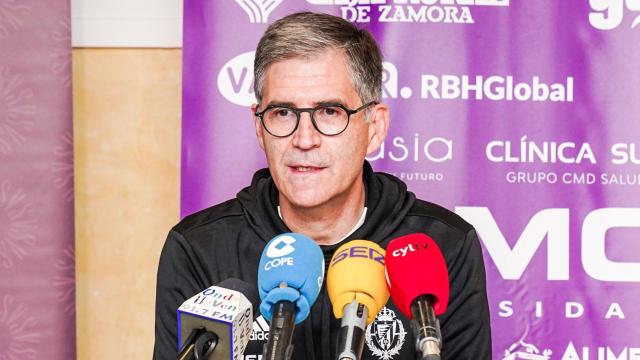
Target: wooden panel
(126, 145)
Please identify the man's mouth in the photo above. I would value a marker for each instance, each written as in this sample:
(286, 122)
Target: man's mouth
(305, 169)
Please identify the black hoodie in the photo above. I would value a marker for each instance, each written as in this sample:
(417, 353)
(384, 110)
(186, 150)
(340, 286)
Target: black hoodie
(227, 240)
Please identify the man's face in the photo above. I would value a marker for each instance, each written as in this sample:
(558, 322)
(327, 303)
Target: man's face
(311, 169)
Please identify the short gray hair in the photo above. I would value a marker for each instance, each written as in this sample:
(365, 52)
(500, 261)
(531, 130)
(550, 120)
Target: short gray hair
(307, 34)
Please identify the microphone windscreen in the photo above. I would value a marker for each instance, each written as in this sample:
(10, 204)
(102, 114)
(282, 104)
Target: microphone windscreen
(356, 272)
(292, 269)
(415, 266)
(224, 310)
(250, 292)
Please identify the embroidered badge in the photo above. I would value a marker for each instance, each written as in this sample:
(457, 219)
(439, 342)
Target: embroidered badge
(385, 335)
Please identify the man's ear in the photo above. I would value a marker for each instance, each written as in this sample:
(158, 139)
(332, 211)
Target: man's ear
(258, 125)
(378, 127)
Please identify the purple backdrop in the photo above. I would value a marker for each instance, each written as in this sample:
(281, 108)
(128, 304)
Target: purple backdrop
(37, 265)
(521, 116)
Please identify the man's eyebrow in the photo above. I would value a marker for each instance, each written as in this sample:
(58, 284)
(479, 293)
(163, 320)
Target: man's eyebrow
(330, 102)
(326, 102)
(281, 103)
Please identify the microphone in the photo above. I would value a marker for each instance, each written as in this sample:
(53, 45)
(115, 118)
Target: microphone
(419, 285)
(217, 322)
(290, 276)
(357, 289)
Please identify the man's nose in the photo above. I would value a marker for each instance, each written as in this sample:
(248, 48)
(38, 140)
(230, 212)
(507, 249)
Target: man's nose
(306, 136)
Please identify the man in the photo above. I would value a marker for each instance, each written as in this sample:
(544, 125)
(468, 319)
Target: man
(318, 85)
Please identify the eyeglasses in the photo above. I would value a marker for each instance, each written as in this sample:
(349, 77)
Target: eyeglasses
(329, 119)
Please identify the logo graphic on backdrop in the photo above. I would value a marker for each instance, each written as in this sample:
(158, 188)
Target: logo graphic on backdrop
(534, 152)
(560, 164)
(258, 10)
(409, 11)
(522, 350)
(385, 335)
(495, 87)
(552, 225)
(235, 79)
(235, 83)
(608, 14)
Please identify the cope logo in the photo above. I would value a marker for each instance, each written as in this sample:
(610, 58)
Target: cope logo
(608, 14)
(281, 247)
(258, 10)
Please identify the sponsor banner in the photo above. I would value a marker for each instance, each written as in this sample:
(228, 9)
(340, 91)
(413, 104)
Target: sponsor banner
(521, 116)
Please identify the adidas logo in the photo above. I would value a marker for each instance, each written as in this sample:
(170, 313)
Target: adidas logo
(260, 329)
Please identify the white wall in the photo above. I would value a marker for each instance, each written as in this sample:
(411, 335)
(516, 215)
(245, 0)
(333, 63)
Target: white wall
(126, 23)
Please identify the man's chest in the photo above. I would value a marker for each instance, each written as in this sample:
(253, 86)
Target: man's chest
(388, 337)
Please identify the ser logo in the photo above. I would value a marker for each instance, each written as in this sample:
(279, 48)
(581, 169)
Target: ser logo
(258, 10)
(608, 14)
(359, 252)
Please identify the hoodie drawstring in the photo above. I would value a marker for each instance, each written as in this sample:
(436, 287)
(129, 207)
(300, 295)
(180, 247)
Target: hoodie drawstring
(327, 350)
(308, 337)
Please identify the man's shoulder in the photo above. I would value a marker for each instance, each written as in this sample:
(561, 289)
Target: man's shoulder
(429, 210)
(225, 211)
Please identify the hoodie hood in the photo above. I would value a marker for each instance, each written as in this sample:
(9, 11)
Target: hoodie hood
(386, 198)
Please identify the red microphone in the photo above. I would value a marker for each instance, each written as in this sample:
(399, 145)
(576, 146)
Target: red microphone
(419, 286)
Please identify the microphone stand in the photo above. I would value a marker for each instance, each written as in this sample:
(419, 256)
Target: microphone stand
(352, 331)
(426, 327)
(279, 347)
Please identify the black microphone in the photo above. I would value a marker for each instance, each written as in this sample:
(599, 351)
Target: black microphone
(217, 322)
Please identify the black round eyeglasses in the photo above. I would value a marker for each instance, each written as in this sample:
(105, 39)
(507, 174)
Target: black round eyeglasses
(329, 119)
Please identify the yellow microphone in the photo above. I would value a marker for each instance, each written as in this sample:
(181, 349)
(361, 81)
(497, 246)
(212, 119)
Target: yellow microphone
(358, 290)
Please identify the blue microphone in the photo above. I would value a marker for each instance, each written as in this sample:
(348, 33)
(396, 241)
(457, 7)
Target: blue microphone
(290, 276)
